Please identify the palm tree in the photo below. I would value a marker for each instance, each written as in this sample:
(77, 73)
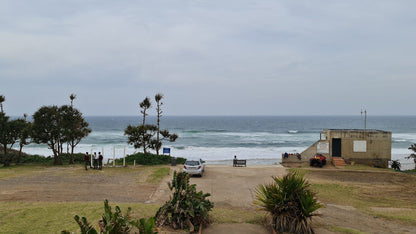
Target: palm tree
(2, 99)
(72, 97)
(145, 104)
(413, 155)
(158, 99)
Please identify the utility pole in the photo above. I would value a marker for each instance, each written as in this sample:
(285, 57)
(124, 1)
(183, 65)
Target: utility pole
(365, 117)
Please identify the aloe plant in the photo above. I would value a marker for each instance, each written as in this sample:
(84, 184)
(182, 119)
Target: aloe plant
(290, 203)
(187, 209)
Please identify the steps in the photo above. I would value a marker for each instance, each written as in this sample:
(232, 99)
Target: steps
(338, 162)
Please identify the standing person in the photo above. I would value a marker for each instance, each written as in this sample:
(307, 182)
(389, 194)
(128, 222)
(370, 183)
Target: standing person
(95, 161)
(87, 161)
(286, 155)
(100, 161)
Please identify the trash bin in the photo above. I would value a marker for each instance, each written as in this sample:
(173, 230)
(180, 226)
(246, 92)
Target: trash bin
(173, 161)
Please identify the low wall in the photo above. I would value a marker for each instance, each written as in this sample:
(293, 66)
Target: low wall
(384, 163)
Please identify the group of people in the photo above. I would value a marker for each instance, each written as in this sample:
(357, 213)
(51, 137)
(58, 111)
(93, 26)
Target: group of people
(286, 155)
(97, 162)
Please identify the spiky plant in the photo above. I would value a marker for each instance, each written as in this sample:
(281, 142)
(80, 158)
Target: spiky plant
(147, 226)
(396, 165)
(413, 155)
(111, 223)
(187, 208)
(290, 202)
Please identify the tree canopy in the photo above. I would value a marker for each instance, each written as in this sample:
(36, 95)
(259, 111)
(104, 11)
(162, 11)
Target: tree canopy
(147, 136)
(55, 126)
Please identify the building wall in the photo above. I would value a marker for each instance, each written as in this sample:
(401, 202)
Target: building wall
(378, 145)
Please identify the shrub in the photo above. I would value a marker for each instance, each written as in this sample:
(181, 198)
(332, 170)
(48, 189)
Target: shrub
(187, 208)
(114, 223)
(78, 158)
(27, 158)
(290, 202)
(150, 159)
(396, 165)
(36, 159)
(147, 226)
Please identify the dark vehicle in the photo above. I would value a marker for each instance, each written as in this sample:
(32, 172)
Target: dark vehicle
(317, 160)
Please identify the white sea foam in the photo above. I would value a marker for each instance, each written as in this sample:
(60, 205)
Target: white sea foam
(404, 137)
(259, 156)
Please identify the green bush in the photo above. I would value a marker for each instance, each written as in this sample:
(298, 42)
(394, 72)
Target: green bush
(150, 159)
(290, 203)
(147, 226)
(114, 223)
(396, 165)
(36, 159)
(187, 208)
(78, 158)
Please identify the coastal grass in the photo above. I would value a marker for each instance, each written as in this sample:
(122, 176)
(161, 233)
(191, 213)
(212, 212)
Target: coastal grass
(365, 168)
(392, 200)
(21, 170)
(157, 174)
(53, 217)
(234, 215)
(345, 230)
(405, 215)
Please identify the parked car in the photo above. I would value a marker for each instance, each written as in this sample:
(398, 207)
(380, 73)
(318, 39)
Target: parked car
(318, 160)
(194, 166)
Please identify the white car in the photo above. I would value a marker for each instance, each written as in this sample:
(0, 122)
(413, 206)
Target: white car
(194, 166)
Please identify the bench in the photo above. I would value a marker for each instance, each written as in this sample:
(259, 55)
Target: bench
(239, 163)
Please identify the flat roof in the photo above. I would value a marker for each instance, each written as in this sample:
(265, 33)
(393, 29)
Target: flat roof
(356, 130)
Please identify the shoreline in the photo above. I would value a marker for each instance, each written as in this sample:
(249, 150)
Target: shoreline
(272, 159)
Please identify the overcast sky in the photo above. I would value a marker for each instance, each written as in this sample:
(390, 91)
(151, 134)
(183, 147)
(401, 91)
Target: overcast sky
(210, 57)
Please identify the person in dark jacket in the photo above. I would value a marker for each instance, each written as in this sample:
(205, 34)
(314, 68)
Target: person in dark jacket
(87, 161)
(100, 161)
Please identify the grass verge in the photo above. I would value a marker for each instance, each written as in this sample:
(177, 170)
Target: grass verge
(53, 217)
(390, 196)
(21, 170)
(222, 215)
(344, 230)
(157, 174)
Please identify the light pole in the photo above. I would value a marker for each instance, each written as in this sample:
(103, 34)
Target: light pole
(365, 117)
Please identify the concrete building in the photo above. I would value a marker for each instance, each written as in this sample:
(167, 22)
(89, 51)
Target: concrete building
(371, 147)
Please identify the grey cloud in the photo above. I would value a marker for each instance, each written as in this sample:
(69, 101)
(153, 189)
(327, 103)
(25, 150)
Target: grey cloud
(275, 55)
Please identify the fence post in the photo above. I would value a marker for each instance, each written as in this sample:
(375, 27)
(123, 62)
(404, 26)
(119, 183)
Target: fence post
(124, 157)
(114, 156)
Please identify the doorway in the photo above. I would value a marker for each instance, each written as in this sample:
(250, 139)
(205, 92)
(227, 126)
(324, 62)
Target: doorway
(336, 147)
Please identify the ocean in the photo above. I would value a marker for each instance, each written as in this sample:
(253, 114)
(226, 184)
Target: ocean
(259, 139)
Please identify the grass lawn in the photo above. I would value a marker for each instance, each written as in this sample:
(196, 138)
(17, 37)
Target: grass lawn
(390, 195)
(53, 217)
